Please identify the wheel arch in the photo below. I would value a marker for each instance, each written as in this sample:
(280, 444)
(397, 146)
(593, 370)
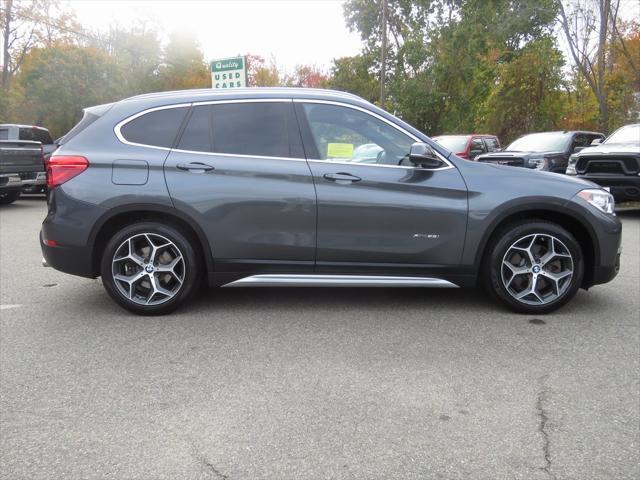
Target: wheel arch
(117, 218)
(573, 221)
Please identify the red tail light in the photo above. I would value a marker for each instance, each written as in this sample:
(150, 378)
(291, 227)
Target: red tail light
(63, 168)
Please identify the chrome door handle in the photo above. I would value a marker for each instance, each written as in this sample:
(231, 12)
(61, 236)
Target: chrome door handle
(195, 167)
(342, 177)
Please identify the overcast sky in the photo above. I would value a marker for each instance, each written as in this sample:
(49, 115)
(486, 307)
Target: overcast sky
(295, 32)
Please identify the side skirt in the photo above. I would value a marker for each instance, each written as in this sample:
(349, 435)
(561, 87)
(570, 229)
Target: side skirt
(307, 280)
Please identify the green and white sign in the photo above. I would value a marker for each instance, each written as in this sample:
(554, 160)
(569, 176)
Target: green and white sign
(229, 73)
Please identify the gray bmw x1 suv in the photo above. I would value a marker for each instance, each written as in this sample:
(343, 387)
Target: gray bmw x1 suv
(260, 187)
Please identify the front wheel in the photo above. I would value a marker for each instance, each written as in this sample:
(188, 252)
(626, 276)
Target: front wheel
(150, 268)
(534, 267)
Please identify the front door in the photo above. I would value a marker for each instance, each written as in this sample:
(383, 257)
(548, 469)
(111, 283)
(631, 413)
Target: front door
(239, 171)
(377, 213)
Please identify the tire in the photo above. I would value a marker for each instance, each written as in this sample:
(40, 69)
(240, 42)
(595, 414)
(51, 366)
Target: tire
(521, 259)
(9, 196)
(147, 287)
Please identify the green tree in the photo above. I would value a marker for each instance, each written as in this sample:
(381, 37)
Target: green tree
(354, 75)
(183, 64)
(55, 83)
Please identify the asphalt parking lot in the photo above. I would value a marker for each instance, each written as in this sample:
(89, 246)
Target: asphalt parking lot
(312, 383)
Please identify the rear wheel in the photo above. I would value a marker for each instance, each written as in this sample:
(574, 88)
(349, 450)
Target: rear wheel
(534, 267)
(9, 196)
(150, 268)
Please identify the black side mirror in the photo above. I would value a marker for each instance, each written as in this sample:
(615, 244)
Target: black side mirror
(422, 155)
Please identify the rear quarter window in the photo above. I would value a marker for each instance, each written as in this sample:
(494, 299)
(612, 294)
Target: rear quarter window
(158, 128)
(4, 134)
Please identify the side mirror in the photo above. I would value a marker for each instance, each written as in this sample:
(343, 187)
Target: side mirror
(577, 149)
(596, 141)
(422, 155)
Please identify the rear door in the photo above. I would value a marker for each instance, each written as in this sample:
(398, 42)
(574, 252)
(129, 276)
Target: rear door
(239, 171)
(377, 213)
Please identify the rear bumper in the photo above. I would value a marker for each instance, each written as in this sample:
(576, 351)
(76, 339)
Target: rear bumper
(10, 180)
(74, 260)
(34, 179)
(622, 187)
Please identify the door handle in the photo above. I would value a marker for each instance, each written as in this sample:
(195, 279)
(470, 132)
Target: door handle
(342, 177)
(196, 167)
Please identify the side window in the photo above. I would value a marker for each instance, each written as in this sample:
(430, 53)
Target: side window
(342, 134)
(261, 128)
(26, 134)
(581, 140)
(197, 134)
(42, 136)
(4, 134)
(476, 148)
(492, 144)
(158, 128)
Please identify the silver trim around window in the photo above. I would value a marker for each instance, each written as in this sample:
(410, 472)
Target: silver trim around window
(123, 140)
(302, 280)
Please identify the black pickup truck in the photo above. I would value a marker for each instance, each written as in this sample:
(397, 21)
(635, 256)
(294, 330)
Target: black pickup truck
(23, 149)
(613, 164)
(548, 151)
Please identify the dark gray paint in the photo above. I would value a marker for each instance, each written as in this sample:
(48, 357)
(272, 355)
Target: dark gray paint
(262, 212)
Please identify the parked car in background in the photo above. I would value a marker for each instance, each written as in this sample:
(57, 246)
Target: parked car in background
(469, 146)
(548, 151)
(21, 165)
(614, 163)
(33, 181)
(265, 187)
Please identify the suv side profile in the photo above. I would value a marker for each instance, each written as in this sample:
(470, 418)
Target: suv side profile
(268, 187)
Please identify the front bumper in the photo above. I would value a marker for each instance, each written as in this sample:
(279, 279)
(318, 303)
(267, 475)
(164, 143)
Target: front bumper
(622, 187)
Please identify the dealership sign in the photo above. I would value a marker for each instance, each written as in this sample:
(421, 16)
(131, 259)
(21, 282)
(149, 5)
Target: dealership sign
(229, 73)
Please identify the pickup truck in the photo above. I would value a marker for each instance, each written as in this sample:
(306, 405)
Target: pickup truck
(613, 164)
(548, 151)
(23, 149)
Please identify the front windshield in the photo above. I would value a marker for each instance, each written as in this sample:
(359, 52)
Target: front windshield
(455, 143)
(541, 142)
(628, 134)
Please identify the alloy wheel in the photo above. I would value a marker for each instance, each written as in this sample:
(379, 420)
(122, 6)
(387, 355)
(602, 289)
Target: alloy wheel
(537, 269)
(148, 269)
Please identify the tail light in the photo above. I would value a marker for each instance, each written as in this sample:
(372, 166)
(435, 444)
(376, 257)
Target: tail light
(62, 168)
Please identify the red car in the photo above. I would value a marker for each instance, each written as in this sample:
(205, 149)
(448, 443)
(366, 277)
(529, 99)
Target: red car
(469, 146)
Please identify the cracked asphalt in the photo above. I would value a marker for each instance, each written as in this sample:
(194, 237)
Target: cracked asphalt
(312, 383)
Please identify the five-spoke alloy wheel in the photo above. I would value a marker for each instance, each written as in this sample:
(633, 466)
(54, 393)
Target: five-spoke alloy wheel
(149, 270)
(535, 267)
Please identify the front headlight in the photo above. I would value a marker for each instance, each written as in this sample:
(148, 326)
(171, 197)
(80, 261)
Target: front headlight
(571, 167)
(601, 199)
(539, 163)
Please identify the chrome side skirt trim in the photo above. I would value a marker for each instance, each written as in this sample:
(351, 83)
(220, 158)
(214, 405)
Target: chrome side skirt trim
(278, 280)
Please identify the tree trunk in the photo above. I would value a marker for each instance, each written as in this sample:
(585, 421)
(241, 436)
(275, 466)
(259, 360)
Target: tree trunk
(5, 53)
(603, 90)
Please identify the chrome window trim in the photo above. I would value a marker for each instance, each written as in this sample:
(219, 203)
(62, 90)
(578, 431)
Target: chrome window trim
(388, 122)
(130, 118)
(123, 140)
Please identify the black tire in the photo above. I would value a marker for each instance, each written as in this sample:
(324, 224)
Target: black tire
(9, 196)
(492, 275)
(191, 268)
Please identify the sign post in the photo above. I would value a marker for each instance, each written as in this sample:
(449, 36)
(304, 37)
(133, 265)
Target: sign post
(229, 73)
